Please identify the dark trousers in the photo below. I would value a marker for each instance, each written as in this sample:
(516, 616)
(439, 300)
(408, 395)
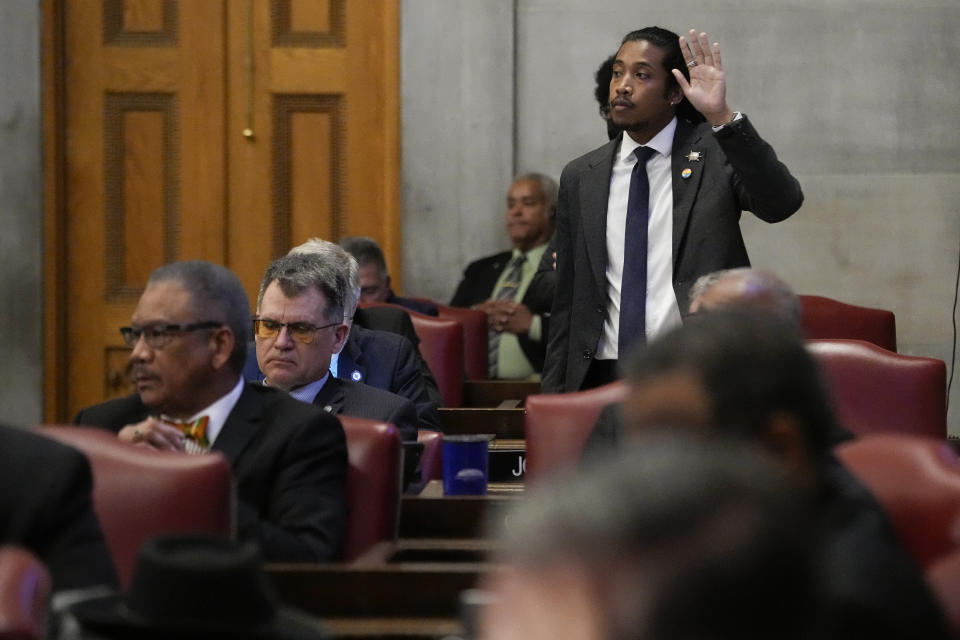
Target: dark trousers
(599, 373)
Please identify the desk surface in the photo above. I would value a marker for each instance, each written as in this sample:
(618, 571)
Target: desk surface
(434, 515)
(502, 423)
(492, 393)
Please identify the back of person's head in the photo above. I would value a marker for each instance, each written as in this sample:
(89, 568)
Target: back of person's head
(754, 368)
(193, 586)
(294, 273)
(340, 258)
(745, 287)
(669, 42)
(216, 294)
(679, 538)
(601, 92)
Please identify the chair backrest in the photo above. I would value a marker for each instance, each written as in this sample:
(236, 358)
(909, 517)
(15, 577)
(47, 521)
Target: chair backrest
(943, 577)
(917, 480)
(431, 460)
(875, 390)
(441, 345)
(556, 426)
(373, 484)
(139, 493)
(828, 318)
(475, 339)
(24, 595)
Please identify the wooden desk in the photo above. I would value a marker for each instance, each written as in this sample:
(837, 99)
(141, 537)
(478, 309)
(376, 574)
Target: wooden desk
(393, 600)
(492, 393)
(434, 515)
(502, 423)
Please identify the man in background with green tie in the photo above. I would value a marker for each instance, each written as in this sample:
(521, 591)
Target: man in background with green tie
(500, 285)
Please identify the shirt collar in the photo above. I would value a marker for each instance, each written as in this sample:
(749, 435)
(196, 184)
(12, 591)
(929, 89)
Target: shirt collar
(218, 412)
(308, 392)
(662, 142)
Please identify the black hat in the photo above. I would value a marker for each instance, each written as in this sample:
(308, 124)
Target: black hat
(196, 586)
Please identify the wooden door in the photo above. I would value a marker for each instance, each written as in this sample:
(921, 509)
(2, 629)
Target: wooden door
(226, 130)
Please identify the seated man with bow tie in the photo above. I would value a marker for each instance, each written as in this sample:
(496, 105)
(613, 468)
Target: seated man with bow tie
(502, 285)
(289, 459)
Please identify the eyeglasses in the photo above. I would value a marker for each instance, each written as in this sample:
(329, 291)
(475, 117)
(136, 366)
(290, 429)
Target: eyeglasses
(302, 332)
(158, 335)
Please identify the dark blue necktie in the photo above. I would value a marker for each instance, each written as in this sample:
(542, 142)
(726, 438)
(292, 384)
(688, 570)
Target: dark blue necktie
(633, 288)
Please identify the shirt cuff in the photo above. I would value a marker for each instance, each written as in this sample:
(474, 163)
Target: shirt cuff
(737, 117)
(536, 328)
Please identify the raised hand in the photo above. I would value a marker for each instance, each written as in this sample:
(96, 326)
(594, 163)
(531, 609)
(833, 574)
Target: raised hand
(707, 88)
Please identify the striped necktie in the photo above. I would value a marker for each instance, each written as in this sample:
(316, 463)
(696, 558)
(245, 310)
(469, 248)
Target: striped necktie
(194, 431)
(507, 291)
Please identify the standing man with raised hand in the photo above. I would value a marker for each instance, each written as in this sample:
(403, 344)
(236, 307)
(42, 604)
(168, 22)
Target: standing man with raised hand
(642, 217)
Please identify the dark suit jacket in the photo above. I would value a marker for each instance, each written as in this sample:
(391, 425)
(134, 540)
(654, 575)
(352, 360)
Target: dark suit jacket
(289, 461)
(736, 171)
(387, 361)
(479, 279)
(420, 306)
(397, 321)
(46, 504)
(360, 400)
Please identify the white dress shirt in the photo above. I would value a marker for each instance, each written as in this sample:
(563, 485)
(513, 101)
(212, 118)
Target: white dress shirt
(662, 311)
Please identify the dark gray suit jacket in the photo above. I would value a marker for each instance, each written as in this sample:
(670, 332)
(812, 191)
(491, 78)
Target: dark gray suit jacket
(363, 401)
(388, 361)
(736, 171)
(289, 460)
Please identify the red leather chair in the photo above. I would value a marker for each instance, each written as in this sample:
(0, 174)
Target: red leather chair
(475, 341)
(943, 576)
(373, 484)
(917, 480)
(556, 426)
(24, 595)
(431, 460)
(139, 493)
(441, 345)
(875, 390)
(827, 318)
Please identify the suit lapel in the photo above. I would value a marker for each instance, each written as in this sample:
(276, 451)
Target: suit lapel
(685, 140)
(350, 364)
(241, 425)
(594, 194)
(331, 395)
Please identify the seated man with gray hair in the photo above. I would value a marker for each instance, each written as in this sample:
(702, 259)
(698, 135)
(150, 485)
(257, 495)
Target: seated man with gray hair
(375, 279)
(300, 324)
(502, 285)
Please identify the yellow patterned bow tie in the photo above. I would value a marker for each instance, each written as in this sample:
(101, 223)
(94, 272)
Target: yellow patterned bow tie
(195, 431)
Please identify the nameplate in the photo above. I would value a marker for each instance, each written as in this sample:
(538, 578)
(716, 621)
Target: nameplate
(508, 464)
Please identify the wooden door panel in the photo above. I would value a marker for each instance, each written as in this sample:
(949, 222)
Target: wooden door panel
(143, 169)
(210, 129)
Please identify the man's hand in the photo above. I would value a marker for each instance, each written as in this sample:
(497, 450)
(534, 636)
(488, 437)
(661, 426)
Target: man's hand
(510, 316)
(154, 434)
(707, 88)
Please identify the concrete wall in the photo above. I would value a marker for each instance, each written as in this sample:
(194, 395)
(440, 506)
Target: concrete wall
(21, 215)
(859, 97)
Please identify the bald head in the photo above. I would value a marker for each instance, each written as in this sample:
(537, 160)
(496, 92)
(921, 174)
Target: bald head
(745, 287)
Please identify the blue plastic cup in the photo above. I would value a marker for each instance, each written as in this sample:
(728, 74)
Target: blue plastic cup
(465, 464)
